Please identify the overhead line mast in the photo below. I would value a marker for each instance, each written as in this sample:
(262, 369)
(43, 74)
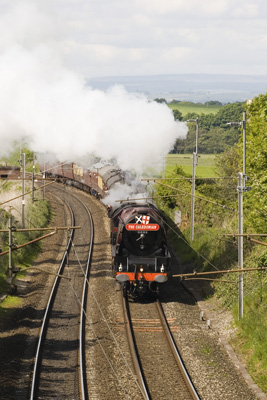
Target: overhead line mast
(242, 178)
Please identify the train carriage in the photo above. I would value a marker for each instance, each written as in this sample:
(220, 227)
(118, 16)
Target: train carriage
(68, 170)
(7, 172)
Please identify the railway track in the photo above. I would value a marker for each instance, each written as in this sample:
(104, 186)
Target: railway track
(59, 367)
(157, 362)
(109, 373)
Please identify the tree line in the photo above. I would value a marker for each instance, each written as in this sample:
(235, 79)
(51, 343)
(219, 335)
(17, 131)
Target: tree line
(214, 135)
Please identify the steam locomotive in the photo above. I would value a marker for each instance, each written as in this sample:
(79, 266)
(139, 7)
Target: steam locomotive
(140, 257)
(139, 250)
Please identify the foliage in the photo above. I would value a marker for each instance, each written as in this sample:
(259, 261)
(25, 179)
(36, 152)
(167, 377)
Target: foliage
(214, 134)
(4, 217)
(252, 337)
(213, 103)
(212, 221)
(38, 214)
(178, 116)
(256, 201)
(175, 102)
(161, 100)
(229, 113)
(226, 165)
(179, 240)
(170, 196)
(14, 157)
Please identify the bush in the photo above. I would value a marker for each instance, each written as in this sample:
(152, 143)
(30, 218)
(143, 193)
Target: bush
(38, 215)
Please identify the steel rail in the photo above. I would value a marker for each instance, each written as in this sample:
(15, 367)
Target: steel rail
(47, 312)
(82, 361)
(133, 349)
(176, 353)
(83, 380)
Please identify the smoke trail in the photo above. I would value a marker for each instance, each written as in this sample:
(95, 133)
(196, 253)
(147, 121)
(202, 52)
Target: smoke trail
(56, 111)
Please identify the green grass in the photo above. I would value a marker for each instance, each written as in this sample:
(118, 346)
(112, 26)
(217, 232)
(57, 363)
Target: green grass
(204, 169)
(39, 214)
(9, 304)
(194, 108)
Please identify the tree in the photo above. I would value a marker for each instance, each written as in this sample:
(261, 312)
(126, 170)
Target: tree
(212, 103)
(214, 133)
(173, 102)
(178, 116)
(161, 100)
(227, 166)
(230, 112)
(172, 198)
(256, 161)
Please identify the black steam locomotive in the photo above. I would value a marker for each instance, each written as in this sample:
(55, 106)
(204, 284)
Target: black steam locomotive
(139, 251)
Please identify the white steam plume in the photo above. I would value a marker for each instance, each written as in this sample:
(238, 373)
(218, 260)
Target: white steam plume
(50, 105)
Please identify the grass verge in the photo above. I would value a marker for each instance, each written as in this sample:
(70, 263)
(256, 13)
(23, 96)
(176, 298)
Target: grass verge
(38, 214)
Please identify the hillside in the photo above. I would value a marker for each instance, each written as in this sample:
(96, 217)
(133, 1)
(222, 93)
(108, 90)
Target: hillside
(189, 87)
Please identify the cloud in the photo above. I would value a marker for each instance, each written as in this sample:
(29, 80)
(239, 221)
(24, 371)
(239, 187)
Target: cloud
(189, 7)
(142, 20)
(176, 53)
(131, 38)
(56, 111)
(138, 37)
(246, 10)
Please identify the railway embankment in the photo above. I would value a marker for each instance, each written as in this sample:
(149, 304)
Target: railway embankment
(214, 373)
(21, 313)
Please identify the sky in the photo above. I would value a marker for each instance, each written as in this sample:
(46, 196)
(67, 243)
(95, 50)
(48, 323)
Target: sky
(45, 100)
(143, 37)
(50, 48)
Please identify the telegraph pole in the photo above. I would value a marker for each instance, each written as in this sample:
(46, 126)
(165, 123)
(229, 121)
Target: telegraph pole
(241, 188)
(244, 145)
(23, 190)
(10, 247)
(33, 176)
(195, 156)
(22, 167)
(44, 180)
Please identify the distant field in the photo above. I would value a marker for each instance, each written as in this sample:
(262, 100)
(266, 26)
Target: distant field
(204, 169)
(196, 108)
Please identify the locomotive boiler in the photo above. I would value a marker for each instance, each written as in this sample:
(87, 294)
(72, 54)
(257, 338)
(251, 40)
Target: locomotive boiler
(139, 251)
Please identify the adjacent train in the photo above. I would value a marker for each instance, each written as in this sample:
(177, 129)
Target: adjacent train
(141, 259)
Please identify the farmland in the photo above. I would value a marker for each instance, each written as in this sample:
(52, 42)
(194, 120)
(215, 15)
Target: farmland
(204, 169)
(198, 108)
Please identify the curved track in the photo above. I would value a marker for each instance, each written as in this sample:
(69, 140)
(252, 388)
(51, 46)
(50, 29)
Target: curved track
(60, 358)
(158, 365)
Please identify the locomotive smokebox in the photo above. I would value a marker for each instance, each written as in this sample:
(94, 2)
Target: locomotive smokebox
(142, 234)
